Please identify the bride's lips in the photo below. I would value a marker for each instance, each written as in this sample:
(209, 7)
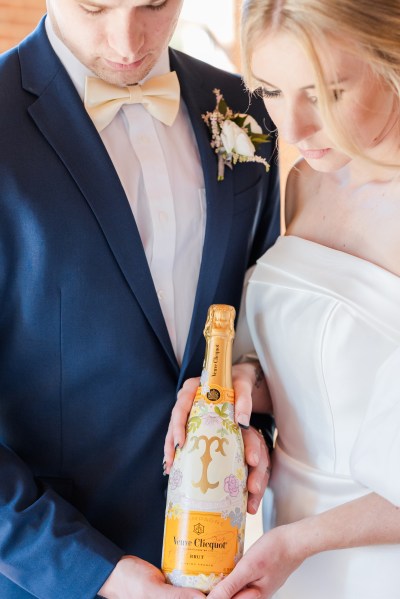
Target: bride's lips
(314, 154)
(121, 66)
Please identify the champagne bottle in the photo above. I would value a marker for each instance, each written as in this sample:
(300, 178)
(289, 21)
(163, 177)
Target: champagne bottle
(207, 493)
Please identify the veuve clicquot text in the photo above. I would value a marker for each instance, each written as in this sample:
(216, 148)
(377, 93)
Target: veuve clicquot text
(207, 493)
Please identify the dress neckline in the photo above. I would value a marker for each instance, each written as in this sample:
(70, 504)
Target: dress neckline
(346, 255)
(366, 288)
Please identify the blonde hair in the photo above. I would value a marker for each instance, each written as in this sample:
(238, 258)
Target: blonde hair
(371, 27)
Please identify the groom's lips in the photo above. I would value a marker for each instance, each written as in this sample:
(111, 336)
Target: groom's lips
(122, 66)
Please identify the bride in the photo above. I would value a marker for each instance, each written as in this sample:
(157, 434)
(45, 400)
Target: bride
(323, 305)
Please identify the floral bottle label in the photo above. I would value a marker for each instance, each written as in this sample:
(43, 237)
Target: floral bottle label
(200, 543)
(207, 494)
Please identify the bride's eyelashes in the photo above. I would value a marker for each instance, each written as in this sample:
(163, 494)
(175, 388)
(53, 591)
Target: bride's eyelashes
(262, 92)
(270, 94)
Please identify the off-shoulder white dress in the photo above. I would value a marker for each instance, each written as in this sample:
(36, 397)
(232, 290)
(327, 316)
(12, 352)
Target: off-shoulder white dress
(326, 327)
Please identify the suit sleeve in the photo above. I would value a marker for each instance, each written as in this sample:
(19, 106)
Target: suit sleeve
(46, 546)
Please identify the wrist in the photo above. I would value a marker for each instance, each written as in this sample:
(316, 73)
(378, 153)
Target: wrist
(112, 587)
(299, 540)
(312, 535)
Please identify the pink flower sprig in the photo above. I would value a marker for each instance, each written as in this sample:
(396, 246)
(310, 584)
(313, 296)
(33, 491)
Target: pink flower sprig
(235, 137)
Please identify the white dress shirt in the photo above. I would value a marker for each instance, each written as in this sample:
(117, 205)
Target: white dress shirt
(160, 170)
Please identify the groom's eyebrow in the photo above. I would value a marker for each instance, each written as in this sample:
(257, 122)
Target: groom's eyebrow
(107, 3)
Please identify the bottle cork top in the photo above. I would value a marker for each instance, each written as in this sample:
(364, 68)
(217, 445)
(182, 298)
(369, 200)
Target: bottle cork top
(220, 321)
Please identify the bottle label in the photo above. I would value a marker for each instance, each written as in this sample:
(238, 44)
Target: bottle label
(207, 494)
(199, 543)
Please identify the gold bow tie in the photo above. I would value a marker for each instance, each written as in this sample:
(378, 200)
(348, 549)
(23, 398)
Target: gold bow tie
(159, 95)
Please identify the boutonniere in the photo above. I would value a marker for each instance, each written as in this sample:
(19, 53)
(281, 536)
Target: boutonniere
(235, 137)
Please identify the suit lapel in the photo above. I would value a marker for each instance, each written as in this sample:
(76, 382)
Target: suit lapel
(59, 114)
(219, 196)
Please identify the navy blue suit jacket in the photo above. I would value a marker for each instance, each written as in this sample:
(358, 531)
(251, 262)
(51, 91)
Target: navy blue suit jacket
(88, 375)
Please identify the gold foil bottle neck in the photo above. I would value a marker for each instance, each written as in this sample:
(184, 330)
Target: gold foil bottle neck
(219, 333)
(220, 321)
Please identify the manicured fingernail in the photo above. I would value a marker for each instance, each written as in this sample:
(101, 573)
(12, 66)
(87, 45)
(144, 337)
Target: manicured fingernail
(243, 421)
(254, 505)
(177, 446)
(256, 458)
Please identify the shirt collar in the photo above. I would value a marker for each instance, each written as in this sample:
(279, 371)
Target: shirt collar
(78, 72)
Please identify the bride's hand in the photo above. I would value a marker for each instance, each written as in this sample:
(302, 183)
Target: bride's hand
(256, 452)
(176, 433)
(264, 568)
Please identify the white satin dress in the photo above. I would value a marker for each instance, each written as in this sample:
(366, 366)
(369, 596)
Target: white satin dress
(326, 327)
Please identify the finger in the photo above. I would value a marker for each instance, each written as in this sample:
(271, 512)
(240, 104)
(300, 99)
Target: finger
(231, 586)
(250, 593)
(167, 591)
(177, 425)
(243, 401)
(181, 593)
(254, 498)
(169, 450)
(258, 460)
(181, 411)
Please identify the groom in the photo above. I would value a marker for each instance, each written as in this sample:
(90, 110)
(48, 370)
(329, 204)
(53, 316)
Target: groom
(116, 236)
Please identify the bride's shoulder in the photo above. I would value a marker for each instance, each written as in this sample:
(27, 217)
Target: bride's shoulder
(301, 184)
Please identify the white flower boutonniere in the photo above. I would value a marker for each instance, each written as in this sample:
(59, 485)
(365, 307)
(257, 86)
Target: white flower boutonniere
(235, 137)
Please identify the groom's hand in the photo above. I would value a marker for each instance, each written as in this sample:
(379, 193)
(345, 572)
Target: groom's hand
(133, 578)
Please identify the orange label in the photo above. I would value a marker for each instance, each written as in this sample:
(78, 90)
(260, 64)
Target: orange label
(216, 395)
(199, 543)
